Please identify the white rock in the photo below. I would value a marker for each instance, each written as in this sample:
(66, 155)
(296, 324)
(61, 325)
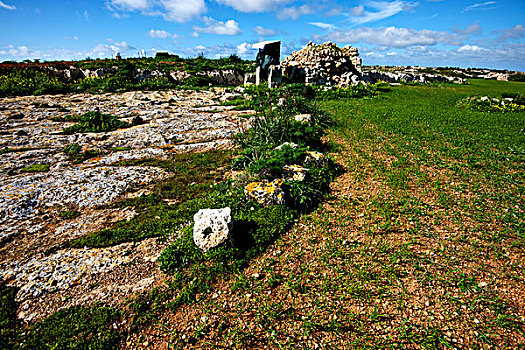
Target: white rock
(212, 227)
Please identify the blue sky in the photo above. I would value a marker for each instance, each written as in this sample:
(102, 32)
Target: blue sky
(460, 33)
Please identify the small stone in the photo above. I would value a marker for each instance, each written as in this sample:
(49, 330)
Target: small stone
(303, 118)
(212, 227)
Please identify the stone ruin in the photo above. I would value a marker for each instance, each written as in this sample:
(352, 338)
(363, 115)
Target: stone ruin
(328, 64)
(323, 64)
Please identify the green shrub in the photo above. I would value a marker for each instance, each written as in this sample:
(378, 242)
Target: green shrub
(179, 254)
(28, 81)
(35, 168)
(272, 162)
(96, 122)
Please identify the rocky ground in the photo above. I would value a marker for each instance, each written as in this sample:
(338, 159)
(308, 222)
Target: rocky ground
(34, 236)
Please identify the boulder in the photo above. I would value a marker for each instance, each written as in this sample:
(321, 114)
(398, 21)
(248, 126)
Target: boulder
(265, 192)
(212, 227)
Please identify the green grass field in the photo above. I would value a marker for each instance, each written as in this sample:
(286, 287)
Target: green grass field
(419, 246)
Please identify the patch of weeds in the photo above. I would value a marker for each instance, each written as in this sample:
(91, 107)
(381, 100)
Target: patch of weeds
(69, 214)
(117, 149)
(8, 318)
(15, 150)
(35, 168)
(96, 122)
(75, 154)
(270, 163)
(77, 327)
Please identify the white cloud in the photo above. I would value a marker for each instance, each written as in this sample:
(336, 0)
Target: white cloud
(244, 49)
(474, 28)
(108, 50)
(393, 37)
(75, 37)
(358, 10)
(171, 10)
(384, 9)
(323, 25)
(6, 6)
(470, 48)
(20, 51)
(130, 5)
(480, 6)
(516, 32)
(182, 10)
(294, 12)
(253, 5)
(160, 34)
(230, 27)
(264, 31)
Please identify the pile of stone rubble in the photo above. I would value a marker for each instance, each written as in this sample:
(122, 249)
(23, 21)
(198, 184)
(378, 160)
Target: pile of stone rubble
(323, 64)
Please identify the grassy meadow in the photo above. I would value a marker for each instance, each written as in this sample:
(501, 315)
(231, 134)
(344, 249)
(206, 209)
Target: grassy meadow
(420, 245)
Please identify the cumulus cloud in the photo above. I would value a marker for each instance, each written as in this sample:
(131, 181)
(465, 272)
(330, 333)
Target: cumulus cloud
(516, 32)
(471, 48)
(480, 6)
(264, 31)
(160, 34)
(294, 12)
(393, 37)
(245, 49)
(230, 27)
(383, 9)
(253, 5)
(323, 25)
(171, 10)
(6, 6)
(182, 10)
(474, 28)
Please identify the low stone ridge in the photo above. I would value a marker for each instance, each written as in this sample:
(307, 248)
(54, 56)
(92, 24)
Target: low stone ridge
(212, 227)
(373, 76)
(217, 77)
(323, 64)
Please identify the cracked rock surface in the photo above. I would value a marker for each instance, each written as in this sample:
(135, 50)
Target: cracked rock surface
(34, 255)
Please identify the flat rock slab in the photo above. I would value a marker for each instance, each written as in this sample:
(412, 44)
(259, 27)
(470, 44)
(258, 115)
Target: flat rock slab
(33, 256)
